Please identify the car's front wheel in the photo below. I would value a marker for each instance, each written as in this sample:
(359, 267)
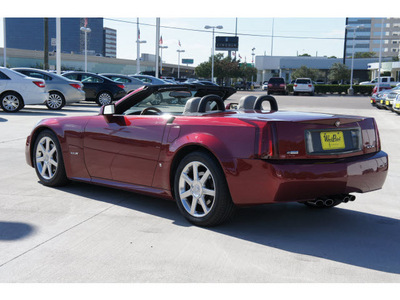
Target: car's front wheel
(201, 191)
(48, 160)
(11, 102)
(56, 101)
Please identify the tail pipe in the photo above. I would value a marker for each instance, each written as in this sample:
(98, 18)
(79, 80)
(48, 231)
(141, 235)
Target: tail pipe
(330, 201)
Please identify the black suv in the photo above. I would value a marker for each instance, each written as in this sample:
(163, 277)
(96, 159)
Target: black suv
(277, 85)
(98, 88)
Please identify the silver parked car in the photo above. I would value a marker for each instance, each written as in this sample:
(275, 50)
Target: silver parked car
(396, 104)
(129, 82)
(150, 79)
(61, 90)
(18, 90)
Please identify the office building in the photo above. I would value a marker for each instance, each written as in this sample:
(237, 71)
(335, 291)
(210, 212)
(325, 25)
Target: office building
(110, 42)
(368, 37)
(28, 34)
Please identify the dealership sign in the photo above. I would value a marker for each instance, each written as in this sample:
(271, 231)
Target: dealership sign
(226, 43)
(187, 61)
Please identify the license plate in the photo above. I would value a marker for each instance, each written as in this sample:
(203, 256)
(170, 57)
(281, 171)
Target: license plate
(387, 102)
(332, 140)
(397, 105)
(381, 101)
(372, 101)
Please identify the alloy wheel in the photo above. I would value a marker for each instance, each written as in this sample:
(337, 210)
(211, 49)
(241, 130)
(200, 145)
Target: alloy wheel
(104, 99)
(197, 189)
(46, 158)
(55, 101)
(10, 103)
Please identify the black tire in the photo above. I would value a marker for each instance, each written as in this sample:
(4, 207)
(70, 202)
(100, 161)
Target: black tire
(56, 101)
(49, 163)
(209, 210)
(11, 102)
(104, 98)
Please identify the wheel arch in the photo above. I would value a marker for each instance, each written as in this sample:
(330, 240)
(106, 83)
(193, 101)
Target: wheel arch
(194, 147)
(35, 135)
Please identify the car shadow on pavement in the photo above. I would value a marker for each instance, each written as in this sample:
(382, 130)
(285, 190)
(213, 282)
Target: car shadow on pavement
(10, 231)
(337, 234)
(3, 120)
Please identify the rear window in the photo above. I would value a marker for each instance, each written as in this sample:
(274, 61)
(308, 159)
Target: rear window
(276, 80)
(303, 81)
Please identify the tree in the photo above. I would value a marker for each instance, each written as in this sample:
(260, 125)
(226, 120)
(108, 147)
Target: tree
(304, 72)
(364, 54)
(224, 68)
(305, 54)
(339, 72)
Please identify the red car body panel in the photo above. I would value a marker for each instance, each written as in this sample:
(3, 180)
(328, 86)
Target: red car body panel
(263, 154)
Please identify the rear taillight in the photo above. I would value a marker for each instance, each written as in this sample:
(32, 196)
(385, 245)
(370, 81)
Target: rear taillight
(121, 86)
(282, 85)
(309, 85)
(267, 147)
(76, 85)
(270, 84)
(40, 84)
(295, 84)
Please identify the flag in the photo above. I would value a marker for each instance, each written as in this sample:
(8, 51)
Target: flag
(161, 41)
(179, 43)
(86, 22)
(240, 56)
(138, 34)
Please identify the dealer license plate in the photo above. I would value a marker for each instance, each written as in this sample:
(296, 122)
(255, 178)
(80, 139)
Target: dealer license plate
(332, 140)
(397, 105)
(387, 102)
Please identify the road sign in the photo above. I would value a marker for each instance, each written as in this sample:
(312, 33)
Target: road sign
(187, 61)
(227, 43)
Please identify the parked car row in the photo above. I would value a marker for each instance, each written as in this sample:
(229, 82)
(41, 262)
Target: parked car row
(22, 86)
(278, 85)
(387, 99)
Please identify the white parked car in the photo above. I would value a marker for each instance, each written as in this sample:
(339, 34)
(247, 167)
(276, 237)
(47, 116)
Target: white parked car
(303, 85)
(18, 90)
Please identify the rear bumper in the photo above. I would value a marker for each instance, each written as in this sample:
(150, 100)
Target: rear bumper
(259, 182)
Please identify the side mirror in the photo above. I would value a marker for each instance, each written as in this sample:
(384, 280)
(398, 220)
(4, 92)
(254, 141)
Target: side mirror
(109, 109)
(231, 106)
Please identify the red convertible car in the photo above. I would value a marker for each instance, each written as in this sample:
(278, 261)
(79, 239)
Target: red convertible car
(209, 158)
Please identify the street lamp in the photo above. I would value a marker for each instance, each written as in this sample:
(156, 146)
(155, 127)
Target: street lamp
(354, 28)
(162, 47)
(179, 60)
(86, 30)
(212, 49)
(138, 41)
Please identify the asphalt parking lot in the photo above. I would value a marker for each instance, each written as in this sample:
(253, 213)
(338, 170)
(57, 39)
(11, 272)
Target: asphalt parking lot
(85, 233)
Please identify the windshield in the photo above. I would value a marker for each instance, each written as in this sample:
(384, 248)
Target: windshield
(167, 102)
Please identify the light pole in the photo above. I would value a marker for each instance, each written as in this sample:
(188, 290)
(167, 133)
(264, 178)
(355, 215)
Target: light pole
(252, 60)
(138, 41)
(86, 30)
(212, 49)
(351, 91)
(162, 47)
(179, 60)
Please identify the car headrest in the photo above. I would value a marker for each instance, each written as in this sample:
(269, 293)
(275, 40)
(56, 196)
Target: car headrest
(247, 102)
(191, 105)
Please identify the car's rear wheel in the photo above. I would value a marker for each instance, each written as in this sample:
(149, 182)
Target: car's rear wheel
(56, 101)
(104, 98)
(11, 102)
(48, 160)
(201, 191)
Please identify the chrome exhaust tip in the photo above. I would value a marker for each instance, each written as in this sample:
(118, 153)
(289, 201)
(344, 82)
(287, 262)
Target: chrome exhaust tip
(352, 197)
(329, 202)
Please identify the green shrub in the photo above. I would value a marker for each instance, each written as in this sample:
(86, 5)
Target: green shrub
(338, 89)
